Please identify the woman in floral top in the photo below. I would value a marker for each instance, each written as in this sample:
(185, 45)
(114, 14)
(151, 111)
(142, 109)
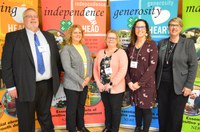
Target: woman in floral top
(110, 68)
(142, 56)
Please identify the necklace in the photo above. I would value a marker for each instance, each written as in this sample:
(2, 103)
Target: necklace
(170, 49)
(110, 52)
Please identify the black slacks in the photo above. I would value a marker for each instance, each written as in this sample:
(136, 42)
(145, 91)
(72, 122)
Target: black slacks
(75, 108)
(112, 106)
(143, 118)
(41, 105)
(170, 108)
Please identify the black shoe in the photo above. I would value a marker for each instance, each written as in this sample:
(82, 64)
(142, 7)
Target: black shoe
(83, 129)
(137, 129)
(106, 130)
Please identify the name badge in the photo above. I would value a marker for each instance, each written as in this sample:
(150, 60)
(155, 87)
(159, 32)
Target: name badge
(42, 49)
(133, 64)
(85, 65)
(108, 71)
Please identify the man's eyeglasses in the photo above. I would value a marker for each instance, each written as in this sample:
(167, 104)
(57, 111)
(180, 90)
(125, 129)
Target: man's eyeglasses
(30, 16)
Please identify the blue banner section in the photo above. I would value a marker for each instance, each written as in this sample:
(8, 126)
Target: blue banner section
(156, 12)
(128, 116)
(160, 14)
(123, 15)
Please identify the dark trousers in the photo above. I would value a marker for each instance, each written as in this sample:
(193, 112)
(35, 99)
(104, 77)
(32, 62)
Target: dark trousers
(170, 108)
(41, 105)
(112, 106)
(75, 108)
(145, 116)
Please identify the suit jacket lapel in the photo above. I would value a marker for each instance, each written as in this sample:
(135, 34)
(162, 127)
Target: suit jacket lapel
(163, 50)
(26, 44)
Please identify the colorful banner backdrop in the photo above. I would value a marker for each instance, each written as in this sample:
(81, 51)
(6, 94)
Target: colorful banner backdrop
(10, 20)
(123, 15)
(57, 17)
(191, 29)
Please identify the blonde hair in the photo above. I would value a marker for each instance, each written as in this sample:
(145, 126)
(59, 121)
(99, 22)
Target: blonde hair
(178, 20)
(68, 37)
(117, 38)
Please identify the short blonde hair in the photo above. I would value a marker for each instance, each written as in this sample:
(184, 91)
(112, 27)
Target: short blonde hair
(178, 20)
(68, 37)
(117, 38)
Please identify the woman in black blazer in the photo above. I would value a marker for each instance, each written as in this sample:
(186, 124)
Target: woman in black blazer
(177, 66)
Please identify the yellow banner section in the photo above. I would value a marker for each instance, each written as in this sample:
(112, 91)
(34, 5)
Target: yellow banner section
(11, 16)
(10, 20)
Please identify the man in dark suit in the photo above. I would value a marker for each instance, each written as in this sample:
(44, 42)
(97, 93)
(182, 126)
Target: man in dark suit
(30, 69)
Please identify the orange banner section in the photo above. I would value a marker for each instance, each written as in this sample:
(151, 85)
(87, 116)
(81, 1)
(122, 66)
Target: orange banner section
(57, 17)
(11, 19)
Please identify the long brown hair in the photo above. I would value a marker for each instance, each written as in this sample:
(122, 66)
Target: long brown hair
(134, 36)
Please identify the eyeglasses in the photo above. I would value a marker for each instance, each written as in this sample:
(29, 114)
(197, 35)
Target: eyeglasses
(111, 38)
(76, 33)
(140, 27)
(30, 16)
(173, 25)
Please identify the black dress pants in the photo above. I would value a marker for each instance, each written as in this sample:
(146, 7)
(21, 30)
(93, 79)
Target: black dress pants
(170, 108)
(41, 105)
(143, 118)
(75, 108)
(112, 106)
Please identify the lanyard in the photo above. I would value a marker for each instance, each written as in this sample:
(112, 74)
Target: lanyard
(137, 53)
(169, 51)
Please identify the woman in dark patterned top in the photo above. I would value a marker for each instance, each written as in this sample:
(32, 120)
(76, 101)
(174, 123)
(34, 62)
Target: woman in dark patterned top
(142, 56)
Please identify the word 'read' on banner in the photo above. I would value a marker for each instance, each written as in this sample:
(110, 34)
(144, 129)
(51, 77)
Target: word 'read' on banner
(123, 15)
(11, 19)
(57, 17)
(191, 30)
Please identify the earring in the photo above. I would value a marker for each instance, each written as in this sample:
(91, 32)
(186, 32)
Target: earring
(146, 34)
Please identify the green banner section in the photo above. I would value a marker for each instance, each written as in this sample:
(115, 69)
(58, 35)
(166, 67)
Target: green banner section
(191, 13)
(191, 123)
(191, 29)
